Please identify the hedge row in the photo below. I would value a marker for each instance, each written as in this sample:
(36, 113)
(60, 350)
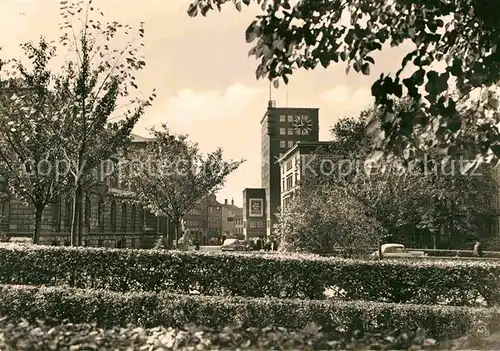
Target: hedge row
(432, 253)
(283, 276)
(32, 337)
(55, 305)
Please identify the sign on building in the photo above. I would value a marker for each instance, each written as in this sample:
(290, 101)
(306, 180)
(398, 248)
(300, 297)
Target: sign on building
(256, 207)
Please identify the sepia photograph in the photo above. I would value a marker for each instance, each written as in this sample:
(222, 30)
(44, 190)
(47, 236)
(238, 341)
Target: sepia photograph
(249, 175)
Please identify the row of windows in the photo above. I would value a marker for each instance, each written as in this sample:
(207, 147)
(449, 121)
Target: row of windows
(283, 118)
(194, 211)
(284, 144)
(256, 224)
(56, 215)
(293, 162)
(289, 182)
(283, 131)
(192, 223)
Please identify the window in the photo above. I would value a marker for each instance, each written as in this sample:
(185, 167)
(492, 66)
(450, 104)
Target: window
(88, 209)
(124, 216)
(282, 118)
(100, 215)
(289, 165)
(290, 131)
(289, 182)
(68, 215)
(291, 143)
(283, 185)
(290, 118)
(282, 144)
(141, 218)
(282, 131)
(253, 224)
(113, 215)
(56, 216)
(133, 214)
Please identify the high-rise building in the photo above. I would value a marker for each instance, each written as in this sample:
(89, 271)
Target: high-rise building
(281, 129)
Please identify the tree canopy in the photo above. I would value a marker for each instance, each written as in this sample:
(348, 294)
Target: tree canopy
(462, 36)
(30, 154)
(414, 201)
(171, 175)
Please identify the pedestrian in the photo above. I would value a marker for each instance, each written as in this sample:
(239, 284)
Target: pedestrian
(258, 244)
(268, 244)
(196, 244)
(478, 249)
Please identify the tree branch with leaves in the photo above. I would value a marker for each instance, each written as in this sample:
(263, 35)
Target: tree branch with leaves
(171, 175)
(30, 152)
(98, 77)
(461, 35)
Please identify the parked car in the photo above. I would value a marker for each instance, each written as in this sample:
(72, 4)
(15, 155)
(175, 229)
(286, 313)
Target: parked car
(232, 245)
(397, 251)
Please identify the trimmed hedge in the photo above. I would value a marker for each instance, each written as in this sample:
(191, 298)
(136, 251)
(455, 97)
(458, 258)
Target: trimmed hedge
(55, 305)
(24, 336)
(283, 276)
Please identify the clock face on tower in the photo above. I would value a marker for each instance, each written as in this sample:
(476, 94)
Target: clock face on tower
(302, 125)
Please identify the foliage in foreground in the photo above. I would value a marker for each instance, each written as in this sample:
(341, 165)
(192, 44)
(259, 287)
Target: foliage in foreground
(107, 309)
(413, 200)
(254, 275)
(462, 35)
(323, 218)
(37, 336)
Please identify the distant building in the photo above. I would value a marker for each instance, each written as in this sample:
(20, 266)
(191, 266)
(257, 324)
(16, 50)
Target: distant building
(204, 221)
(281, 129)
(110, 216)
(294, 165)
(232, 220)
(254, 213)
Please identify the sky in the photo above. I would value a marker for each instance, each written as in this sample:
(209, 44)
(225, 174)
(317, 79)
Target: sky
(204, 80)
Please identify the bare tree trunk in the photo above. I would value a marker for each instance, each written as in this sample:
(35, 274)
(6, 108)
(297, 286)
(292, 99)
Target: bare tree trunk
(38, 225)
(176, 233)
(75, 219)
(80, 215)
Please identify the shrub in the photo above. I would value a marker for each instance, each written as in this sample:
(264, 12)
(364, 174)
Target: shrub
(25, 336)
(420, 282)
(108, 309)
(322, 218)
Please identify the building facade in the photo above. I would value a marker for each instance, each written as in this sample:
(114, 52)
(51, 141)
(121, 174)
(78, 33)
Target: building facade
(111, 217)
(294, 166)
(204, 221)
(281, 129)
(232, 220)
(254, 213)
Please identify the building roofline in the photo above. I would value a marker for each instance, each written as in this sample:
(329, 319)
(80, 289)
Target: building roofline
(288, 108)
(302, 144)
(139, 139)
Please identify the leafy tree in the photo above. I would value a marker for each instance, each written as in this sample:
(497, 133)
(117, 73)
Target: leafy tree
(321, 219)
(170, 175)
(97, 77)
(30, 153)
(461, 35)
(414, 201)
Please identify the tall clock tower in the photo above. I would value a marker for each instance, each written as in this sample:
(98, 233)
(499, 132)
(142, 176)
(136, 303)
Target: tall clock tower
(281, 129)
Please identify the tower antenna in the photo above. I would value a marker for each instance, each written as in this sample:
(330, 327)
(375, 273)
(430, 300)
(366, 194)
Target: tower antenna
(270, 91)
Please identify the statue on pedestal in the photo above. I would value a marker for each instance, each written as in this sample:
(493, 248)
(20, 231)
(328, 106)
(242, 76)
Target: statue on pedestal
(184, 242)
